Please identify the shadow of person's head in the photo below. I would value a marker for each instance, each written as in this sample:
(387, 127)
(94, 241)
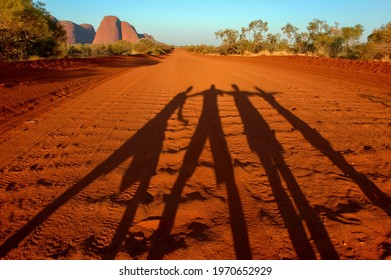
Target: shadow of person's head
(235, 87)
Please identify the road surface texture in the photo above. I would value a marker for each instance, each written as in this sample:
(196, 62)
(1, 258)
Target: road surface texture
(201, 157)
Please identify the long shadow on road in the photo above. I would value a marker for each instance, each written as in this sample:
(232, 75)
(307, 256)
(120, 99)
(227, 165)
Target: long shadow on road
(144, 149)
(262, 141)
(209, 126)
(148, 140)
(370, 190)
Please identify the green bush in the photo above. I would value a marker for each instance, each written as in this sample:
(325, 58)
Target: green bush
(121, 48)
(148, 46)
(100, 50)
(73, 51)
(145, 46)
(27, 29)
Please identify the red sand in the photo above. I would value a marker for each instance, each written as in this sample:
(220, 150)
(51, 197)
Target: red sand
(193, 157)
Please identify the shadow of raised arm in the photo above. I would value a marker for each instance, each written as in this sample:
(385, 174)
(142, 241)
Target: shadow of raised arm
(369, 188)
(180, 110)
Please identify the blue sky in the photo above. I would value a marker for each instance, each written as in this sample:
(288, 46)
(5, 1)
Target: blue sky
(182, 22)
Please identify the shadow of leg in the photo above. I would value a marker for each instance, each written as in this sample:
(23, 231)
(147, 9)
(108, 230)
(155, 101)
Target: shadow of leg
(225, 174)
(210, 126)
(190, 162)
(262, 141)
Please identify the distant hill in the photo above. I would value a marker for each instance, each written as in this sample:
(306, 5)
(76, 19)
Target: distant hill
(83, 33)
(110, 30)
(128, 32)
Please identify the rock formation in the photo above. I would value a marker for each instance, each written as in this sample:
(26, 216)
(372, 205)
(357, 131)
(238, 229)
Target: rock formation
(109, 31)
(88, 33)
(129, 33)
(83, 34)
(147, 36)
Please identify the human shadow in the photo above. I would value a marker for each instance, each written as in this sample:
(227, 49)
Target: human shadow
(144, 148)
(370, 190)
(209, 126)
(263, 142)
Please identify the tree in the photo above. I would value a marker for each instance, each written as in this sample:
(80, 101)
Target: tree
(351, 35)
(302, 43)
(258, 28)
(319, 32)
(380, 41)
(318, 27)
(272, 41)
(290, 31)
(26, 29)
(243, 32)
(230, 39)
(335, 45)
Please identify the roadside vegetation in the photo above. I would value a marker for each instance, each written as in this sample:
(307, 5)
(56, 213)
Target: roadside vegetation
(320, 39)
(143, 46)
(28, 31)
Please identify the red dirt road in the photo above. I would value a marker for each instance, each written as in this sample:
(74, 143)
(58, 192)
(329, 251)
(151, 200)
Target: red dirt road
(195, 157)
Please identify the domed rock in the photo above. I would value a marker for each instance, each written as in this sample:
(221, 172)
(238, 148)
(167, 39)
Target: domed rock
(129, 33)
(87, 34)
(77, 33)
(70, 29)
(147, 36)
(109, 31)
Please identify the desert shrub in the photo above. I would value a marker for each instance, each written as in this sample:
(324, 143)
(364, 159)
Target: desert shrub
(76, 50)
(154, 51)
(380, 42)
(159, 51)
(246, 46)
(120, 48)
(363, 51)
(86, 50)
(336, 46)
(143, 46)
(73, 51)
(272, 42)
(100, 50)
(203, 49)
(190, 48)
(148, 46)
(209, 50)
(221, 50)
